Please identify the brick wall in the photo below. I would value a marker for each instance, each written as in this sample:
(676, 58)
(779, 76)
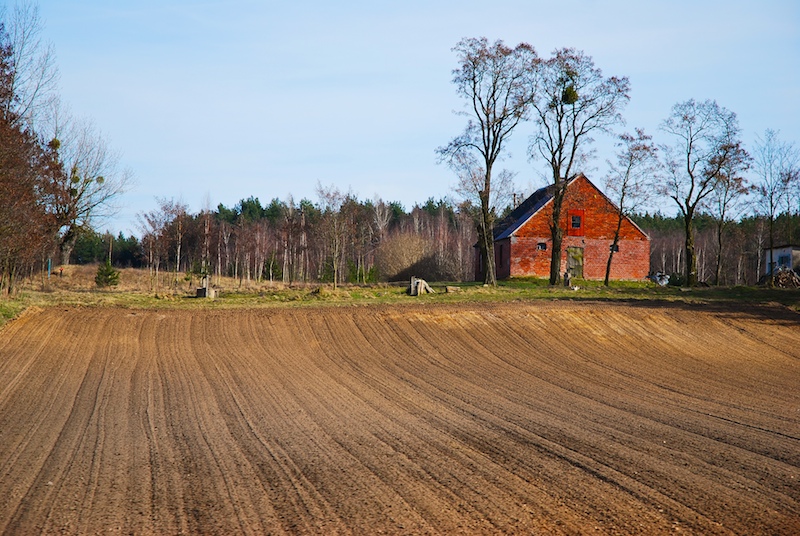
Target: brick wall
(632, 261)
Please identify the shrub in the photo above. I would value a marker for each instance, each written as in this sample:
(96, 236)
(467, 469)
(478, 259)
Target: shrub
(106, 276)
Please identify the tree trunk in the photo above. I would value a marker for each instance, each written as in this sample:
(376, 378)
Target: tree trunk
(486, 250)
(67, 244)
(66, 251)
(691, 257)
(486, 241)
(718, 270)
(771, 261)
(219, 261)
(613, 247)
(556, 233)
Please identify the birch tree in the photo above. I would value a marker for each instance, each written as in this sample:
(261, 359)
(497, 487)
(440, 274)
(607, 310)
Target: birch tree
(333, 227)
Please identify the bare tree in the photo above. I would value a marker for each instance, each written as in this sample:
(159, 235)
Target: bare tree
(572, 101)
(90, 184)
(777, 166)
(631, 181)
(27, 223)
(153, 226)
(34, 81)
(382, 215)
(470, 186)
(706, 139)
(168, 225)
(205, 257)
(26, 226)
(331, 201)
(727, 201)
(495, 81)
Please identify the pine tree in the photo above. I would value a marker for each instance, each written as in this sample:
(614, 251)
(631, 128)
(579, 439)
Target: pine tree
(106, 276)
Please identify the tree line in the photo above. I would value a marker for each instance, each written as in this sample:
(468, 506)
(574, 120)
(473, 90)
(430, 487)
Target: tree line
(740, 261)
(435, 240)
(337, 239)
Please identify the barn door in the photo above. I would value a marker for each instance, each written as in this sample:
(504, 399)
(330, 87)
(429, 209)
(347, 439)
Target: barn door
(575, 261)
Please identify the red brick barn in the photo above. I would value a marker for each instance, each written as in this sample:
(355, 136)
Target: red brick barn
(523, 246)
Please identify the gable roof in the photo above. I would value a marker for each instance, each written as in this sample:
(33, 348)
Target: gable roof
(523, 212)
(533, 204)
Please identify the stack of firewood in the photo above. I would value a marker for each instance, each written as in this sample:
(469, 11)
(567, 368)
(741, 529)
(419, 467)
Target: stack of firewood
(786, 279)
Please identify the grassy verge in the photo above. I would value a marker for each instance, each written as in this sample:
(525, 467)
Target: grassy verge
(10, 309)
(76, 291)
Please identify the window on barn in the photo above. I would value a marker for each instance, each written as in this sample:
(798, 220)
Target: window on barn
(783, 260)
(541, 246)
(575, 222)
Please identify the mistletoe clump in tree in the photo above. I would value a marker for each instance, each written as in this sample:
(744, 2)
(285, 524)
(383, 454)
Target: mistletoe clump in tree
(572, 101)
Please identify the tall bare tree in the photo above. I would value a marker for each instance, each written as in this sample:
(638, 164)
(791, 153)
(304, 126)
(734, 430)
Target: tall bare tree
(27, 223)
(631, 181)
(153, 226)
(34, 80)
(90, 177)
(777, 167)
(728, 200)
(164, 230)
(91, 182)
(572, 101)
(706, 138)
(381, 216)
(495, 81)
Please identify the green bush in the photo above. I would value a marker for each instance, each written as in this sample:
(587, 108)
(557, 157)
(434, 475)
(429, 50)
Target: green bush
(106, 276)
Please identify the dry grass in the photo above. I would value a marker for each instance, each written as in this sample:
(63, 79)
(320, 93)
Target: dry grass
(138, 288)
(80, 278)
(74, 285)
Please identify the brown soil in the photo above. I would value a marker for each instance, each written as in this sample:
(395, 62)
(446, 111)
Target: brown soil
(511, 418)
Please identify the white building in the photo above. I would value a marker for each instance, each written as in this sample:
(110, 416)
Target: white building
(781, 257)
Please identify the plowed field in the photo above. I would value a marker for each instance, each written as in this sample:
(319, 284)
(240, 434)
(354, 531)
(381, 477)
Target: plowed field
(544, 418)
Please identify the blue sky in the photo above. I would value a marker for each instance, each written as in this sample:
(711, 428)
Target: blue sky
(215, 101)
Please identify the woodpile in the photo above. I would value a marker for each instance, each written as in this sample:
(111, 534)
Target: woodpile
(783, 278)
(787, 279)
